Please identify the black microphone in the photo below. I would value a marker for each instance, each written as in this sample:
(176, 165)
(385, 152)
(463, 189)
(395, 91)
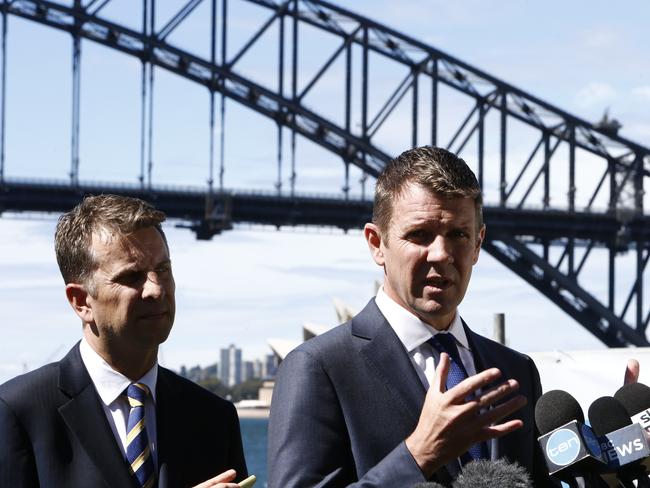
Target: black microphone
(623, 443)
(483, 473)
(635, 397)
(555, 408)
(571, 450)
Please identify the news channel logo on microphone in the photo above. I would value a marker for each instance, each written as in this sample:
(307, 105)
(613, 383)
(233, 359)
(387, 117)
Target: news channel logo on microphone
(625, 445)
(568, 444)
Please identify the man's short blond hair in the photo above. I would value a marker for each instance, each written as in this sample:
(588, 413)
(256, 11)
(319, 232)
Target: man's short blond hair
(113, 214)
(435, 169)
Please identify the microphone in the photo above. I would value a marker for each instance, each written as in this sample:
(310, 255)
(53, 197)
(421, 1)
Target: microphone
(555, 408)
(635, 397)
(623, 443)
(571, 450)
(483, 473)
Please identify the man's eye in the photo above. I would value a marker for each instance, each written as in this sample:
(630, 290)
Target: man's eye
(130, 278)
(164, 269)
(460, 234)
(417, 235)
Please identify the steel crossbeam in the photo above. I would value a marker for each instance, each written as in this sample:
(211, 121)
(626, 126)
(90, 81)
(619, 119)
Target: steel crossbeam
(527, 218)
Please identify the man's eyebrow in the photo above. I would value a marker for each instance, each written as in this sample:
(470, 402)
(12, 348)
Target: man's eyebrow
(462, 224)
(134, 268)
(129, 268)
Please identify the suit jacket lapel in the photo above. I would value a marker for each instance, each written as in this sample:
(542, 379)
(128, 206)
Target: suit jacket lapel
(169, 429)
(387, 358)
(484, 360)
(85, 417)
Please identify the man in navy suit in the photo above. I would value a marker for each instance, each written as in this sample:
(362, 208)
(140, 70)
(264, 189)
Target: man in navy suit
(70, 424)
(367, 404)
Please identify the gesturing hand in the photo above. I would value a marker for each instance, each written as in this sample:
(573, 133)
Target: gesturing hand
(632, 371)
(450, 424)
(220, 481)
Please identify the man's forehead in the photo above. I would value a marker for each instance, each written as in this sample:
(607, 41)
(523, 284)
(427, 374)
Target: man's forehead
(414, 204)
(416, 194)
(111, 247)
(415, 187)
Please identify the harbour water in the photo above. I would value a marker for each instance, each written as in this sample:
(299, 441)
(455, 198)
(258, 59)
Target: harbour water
(254, 435)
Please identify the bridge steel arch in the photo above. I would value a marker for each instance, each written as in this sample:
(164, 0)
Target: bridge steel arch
(547, 243)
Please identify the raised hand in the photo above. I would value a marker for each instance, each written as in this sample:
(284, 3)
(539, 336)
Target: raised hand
(220, 481)
(450, 424)
(632, 371)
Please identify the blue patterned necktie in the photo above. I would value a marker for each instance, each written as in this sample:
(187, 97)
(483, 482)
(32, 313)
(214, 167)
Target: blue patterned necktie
(457, 373)
(138, 451)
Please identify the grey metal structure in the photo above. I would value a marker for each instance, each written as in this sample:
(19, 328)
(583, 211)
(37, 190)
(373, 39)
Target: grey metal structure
(601, 175)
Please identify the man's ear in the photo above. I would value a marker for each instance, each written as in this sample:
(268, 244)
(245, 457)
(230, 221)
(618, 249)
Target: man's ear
(77, 296)
(373, 237)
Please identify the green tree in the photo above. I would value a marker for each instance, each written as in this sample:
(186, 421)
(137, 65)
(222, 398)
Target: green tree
(215, 386)
(248, 390)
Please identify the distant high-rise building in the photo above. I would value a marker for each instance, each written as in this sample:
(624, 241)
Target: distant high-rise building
(231, 366)
(271, 365)
(258, 369)
(249, 371)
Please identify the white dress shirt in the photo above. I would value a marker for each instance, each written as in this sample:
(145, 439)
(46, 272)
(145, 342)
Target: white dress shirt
(111, 386)
(414, 334)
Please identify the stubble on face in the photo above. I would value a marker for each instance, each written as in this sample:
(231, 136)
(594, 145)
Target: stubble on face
(133, 301)
(429, 250)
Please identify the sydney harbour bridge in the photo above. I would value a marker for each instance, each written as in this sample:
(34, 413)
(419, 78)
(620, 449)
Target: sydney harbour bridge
(561, 192)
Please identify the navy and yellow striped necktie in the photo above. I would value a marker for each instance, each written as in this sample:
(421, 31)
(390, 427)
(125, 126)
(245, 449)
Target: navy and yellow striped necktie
(138, 451)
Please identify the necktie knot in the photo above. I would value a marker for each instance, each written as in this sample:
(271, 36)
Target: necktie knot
(137, 394)
(447, 344)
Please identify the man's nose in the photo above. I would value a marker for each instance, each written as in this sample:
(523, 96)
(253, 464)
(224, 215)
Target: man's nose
(439, 250)
(153, 287)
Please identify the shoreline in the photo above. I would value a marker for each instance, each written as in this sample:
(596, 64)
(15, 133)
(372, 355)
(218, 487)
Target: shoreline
(253, 413)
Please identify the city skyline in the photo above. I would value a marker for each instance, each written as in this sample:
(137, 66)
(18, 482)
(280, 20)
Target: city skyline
(232, 369)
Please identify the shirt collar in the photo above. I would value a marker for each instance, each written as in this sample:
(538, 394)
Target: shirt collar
(110, 384)
(411, 331)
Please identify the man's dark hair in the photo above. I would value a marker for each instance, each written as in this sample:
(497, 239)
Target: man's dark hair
(112, 214)
(433, 168)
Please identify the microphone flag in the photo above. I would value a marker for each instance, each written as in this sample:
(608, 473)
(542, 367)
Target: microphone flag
(569, 444)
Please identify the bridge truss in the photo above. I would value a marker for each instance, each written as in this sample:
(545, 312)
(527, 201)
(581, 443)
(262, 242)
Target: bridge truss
(560, 192)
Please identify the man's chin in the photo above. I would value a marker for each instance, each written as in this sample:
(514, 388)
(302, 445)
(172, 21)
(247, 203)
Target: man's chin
(434, 312)
(430, 306)
(157, 331)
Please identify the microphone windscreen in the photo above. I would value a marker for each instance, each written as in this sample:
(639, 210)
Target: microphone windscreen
(483, 473)
(428, 484)
(607, 414)
(556, 408)
(635, 397)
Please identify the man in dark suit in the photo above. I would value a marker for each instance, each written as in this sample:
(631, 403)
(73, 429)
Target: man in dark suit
(377, 402)
(107, 415)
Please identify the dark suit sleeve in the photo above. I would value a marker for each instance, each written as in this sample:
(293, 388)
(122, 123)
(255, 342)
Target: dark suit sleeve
(309, 443)
(236, 449)
(17, 466)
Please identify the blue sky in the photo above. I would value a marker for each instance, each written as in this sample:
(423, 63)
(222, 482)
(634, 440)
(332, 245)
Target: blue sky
(251, 284)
